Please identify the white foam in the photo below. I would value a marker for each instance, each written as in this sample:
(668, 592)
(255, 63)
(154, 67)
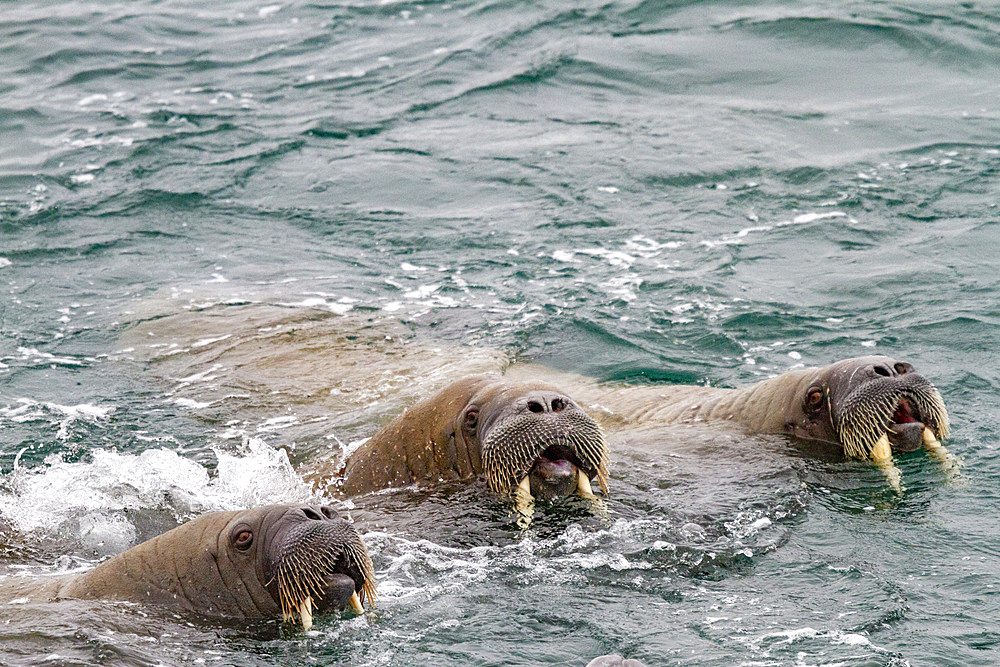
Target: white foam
(406, 266)
(28, 410)
(647, 248)
(204, 376)
(94, 501)
(422, 292)
(90, 99)
(31, 353)
(565, 256)
(4, 262)
(191, 403)
(339, 307)
(277, 423)
(208, 341)
(802, 219)
(616, 258)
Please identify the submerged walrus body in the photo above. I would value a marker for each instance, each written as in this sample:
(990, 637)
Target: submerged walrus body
(526, 438)
(268, 562)
(868, 406)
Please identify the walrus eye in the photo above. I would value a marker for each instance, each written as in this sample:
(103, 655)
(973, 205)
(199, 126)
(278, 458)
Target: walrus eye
(471, 417)
(244, 539)
(814, 397)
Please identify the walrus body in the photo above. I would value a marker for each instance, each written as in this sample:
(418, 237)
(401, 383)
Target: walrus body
(865, 405)
(524, 437)
(267, 562)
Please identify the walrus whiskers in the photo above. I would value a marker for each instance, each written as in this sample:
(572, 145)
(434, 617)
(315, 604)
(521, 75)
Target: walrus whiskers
(868, 413)
(512, 448)
(302, 570)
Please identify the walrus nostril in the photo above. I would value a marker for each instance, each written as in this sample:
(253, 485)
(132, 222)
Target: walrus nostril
(329, 512)
(312, 514)
(903, 368)
(882, 370)
(535, 406)
(558, 405)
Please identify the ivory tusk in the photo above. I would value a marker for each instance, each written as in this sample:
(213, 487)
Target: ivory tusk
(881, 454)
(524, 502)
(937, 450)
(355, 604)
(882, 450)
(305, 610)
(522, 496)
(583, 485)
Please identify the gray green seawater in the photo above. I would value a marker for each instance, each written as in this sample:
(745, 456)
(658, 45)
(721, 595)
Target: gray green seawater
(698, 192)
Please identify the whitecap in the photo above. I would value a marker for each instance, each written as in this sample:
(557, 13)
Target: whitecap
(90, 99)
(406, 266)
(94, 500)
(422, 292)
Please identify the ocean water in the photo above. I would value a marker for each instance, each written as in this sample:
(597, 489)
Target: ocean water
(693, 192)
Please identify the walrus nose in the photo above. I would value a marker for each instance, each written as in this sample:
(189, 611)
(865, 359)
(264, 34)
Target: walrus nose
(550, 479)
(906, 437)
(337, 591)
(541, 402)
(323, 513)
(897, 368)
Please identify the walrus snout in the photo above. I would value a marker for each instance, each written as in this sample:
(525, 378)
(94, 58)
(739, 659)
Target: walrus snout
(549, 479)
(319, 562)
(906, 437)
(884, 406)
(545, 442)
(338, 589)
(540, 402)
(890, 368)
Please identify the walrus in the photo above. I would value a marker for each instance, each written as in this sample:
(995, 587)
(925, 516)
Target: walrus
(527, 438)
(868, 406)
(259, 563)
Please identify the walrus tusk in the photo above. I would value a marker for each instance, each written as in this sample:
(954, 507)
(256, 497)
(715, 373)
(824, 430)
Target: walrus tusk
(937, 450)
(305, 610)
(882, 450)
(881, 454)
(522, 496)
(355, 603)
(583, 485)
(524, 502)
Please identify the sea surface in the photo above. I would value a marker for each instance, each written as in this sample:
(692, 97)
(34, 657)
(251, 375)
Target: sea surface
(636, 191)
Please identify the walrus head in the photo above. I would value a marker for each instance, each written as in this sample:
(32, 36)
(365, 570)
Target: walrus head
(869, 405)
(311, 559)
(535, 439)
(248, 564)
(526, 438)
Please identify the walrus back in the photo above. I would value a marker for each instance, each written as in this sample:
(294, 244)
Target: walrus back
(421, 444)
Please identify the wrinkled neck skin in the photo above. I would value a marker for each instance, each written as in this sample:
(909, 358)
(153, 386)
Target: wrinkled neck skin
(427, 442)
(770, 406)
(186, 568)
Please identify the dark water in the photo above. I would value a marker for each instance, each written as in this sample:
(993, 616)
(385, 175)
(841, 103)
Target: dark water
(646, 191)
